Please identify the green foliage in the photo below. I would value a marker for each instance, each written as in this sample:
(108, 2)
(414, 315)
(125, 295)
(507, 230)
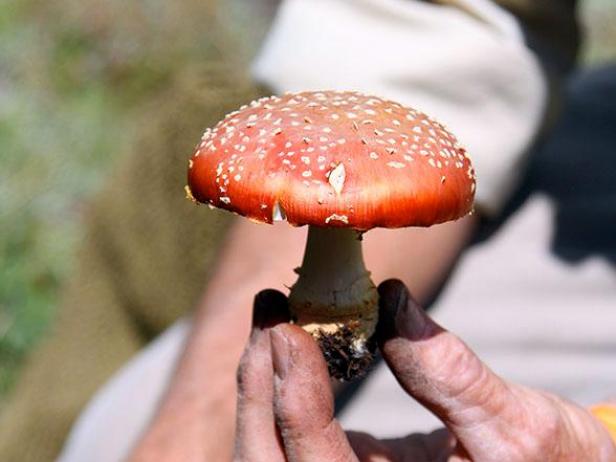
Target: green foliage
(61, 125)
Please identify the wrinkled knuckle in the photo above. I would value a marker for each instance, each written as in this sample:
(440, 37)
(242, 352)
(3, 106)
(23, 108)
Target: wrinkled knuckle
(551, 426)
(455, 367)
(548, 435)
(543, 434)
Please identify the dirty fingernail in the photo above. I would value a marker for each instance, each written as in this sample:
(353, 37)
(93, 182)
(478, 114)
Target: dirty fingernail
(269, 309)
(399, 313)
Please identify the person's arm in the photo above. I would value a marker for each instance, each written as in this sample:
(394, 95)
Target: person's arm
(201, 397)
(486, 417)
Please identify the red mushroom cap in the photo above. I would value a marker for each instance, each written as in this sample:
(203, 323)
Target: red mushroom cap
(329, 158)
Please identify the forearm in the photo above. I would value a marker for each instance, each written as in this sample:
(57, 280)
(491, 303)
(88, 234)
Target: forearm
(201, 395)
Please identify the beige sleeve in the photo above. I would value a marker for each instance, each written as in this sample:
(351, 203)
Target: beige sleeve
(471, 71)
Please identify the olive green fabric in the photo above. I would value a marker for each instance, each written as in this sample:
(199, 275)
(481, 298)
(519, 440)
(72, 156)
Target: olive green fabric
(146, 255)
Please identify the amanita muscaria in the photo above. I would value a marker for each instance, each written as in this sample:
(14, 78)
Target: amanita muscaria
(341, 163)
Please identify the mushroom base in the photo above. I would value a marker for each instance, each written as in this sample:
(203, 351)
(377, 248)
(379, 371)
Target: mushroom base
(347, 342)
(346, 357)
(335, 300)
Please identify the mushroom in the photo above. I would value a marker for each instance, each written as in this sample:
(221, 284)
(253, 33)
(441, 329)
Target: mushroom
(341, 163)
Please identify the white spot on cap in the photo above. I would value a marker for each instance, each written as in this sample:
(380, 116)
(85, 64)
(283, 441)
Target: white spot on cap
(337, 177)
(336, 217)
(395, 164)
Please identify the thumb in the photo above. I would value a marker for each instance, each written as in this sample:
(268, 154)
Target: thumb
(303, 401)
(437, 369)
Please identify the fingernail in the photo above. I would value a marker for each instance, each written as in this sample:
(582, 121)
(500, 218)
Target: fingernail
(399, 313)
(390, 295)
(270, 308)
(412, 320)
(280, 353)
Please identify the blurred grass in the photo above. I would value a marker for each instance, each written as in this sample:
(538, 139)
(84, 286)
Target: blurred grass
(74, 75)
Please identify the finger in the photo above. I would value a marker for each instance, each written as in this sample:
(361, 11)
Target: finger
(256, 435)
(438, 445)
(418, 447)
(303, 401)
(369, 449)
(439, 370)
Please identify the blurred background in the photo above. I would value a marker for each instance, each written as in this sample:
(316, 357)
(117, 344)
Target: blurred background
(75, 79)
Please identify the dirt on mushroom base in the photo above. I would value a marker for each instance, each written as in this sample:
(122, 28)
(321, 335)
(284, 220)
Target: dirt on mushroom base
(345, 362)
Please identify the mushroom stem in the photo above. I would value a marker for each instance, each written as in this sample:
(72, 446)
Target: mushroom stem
(335, 300)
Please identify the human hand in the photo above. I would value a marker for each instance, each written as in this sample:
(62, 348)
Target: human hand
(201, 394)
(285, 403)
